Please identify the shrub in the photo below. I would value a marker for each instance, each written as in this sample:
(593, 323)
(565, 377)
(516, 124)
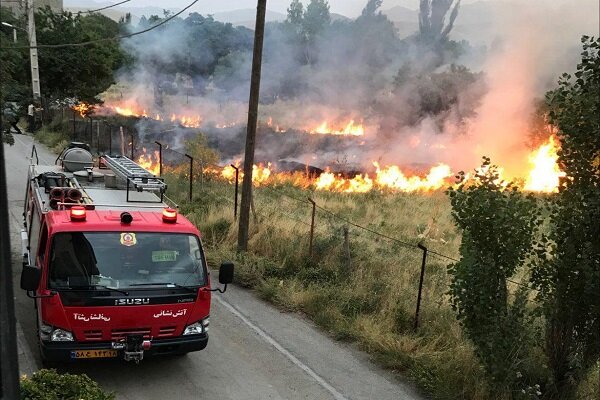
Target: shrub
(47, 384)
(498, 224)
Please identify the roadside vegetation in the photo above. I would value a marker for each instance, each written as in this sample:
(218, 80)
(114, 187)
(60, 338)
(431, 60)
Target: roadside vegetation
(47, 384)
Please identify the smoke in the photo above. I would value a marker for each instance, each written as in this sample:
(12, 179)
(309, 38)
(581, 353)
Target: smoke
(535, 45)
(416, 109)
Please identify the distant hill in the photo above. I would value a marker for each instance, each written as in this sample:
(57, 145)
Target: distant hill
(244, 16)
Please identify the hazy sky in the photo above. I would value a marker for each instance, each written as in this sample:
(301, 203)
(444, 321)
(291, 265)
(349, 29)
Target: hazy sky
(350, 8)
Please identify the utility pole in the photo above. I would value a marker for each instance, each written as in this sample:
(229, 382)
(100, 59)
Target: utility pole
(33, 52)
(251, 127)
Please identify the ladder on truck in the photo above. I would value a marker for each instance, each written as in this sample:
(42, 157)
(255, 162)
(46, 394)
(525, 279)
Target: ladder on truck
(134, 176)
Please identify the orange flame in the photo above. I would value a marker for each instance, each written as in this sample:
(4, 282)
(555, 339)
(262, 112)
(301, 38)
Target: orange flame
(150, 161)
(275, 127)
(392, 177)
(83, 109)
(545, 174)
(351, 129)
(260, 173)
(131, 110)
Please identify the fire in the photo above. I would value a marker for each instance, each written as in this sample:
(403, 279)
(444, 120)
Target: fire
(260, 173)
(132, 110)
(150, 161)
(275, 127)
(83, 109)
(127, 111)
(331, 182)
(351, 129)
(545, 174)
(185, 120)
(392, 177)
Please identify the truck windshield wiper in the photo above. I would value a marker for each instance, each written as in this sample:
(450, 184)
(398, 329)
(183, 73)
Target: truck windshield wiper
(113, 289)
(189, 288)
(90, 287)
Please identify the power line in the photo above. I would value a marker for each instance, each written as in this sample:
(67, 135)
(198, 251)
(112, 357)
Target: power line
(104, 8)
(114, 38)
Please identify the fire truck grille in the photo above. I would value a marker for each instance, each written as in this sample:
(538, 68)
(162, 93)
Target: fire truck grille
(119, 334)
(93, 335)
(166, 331)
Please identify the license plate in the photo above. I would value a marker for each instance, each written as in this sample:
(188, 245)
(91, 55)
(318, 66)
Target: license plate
(93, 353)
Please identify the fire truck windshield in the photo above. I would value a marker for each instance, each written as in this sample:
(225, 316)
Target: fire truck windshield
(88, 260)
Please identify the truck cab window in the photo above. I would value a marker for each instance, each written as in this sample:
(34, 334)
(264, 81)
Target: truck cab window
(72, 260)
(122, 260)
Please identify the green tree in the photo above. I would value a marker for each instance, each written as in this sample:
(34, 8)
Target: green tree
(498, 224)
(316, 18)
(81, 71)
(14, 63)
(295, 13)
(567, 273)
(371, 7)
(433, 27)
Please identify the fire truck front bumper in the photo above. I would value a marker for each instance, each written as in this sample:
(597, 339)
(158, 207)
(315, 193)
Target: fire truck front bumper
(71, 351)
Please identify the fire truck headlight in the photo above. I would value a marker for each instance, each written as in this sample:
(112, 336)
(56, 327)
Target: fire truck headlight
(60, 335)
(197, 327)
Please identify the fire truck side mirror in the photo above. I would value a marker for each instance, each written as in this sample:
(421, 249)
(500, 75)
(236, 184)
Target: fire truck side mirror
(226, 273)
(30, 278)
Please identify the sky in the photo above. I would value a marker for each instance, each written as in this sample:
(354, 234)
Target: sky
(349, 8)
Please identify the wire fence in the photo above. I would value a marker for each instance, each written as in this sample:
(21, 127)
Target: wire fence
(106, 137)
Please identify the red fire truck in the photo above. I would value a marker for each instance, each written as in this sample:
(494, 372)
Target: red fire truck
(113, 269)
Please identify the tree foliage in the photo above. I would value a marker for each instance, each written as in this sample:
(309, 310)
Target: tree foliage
(47, 384)
(432, 19)
(497, 223)
(82, 71)
(567, 273)
(14, 76)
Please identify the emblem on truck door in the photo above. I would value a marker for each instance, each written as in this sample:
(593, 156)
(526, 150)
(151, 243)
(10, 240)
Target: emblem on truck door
(131, 302)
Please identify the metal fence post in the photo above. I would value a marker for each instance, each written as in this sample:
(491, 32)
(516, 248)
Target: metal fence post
(91, 132)
(347, 249)
(235, 203)
(312, 227)
(420, 285)
(131, 135)
(191, 172)
(109, 139)
(159, 157)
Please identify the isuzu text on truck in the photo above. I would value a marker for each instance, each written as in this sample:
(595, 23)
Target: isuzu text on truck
(114, 270)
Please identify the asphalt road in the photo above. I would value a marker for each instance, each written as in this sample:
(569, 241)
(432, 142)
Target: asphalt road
(254, 352)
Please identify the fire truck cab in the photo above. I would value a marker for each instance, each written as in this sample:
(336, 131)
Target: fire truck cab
(113, 269)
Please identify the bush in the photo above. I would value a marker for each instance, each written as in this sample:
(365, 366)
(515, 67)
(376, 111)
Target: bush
(47, 384)
(498, 224)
